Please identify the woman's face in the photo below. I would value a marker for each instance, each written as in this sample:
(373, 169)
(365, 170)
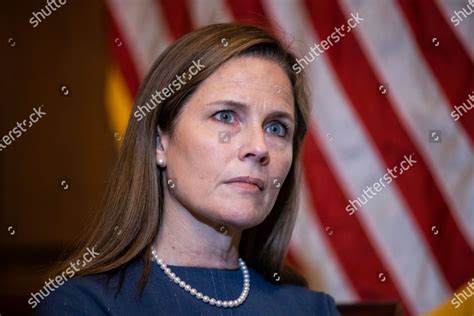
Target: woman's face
(238, 123)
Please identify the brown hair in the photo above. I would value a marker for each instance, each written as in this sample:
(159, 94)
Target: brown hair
(133, 200)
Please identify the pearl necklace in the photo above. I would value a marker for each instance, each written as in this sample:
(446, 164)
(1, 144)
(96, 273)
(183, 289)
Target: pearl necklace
(199, 295)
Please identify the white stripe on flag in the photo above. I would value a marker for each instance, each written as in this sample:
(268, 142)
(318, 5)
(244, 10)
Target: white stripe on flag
(204, 12)
(422, 107)
(143, 28)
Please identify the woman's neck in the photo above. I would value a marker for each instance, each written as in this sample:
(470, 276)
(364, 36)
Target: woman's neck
(186, 240)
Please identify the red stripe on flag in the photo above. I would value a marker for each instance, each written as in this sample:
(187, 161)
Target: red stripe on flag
(348, 239)
(390, 138)
(249, 11)
(121, 53)
(177, 16)
(449, 62)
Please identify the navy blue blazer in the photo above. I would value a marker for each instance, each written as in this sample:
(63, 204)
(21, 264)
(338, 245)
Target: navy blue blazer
(93, 295)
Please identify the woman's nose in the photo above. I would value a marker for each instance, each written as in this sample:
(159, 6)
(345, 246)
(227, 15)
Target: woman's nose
(254, 146)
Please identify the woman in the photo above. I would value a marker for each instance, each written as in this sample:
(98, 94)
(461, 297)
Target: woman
(202, 201)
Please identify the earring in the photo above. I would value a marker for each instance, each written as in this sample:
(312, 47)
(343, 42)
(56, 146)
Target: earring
(160, 162)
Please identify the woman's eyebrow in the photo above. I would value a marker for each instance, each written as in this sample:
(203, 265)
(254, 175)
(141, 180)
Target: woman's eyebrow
(244, 106)
(282, 114)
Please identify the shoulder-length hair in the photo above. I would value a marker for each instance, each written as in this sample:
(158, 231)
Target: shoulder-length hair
(133, 201)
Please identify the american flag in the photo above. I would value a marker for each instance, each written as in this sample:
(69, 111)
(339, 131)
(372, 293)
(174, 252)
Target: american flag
(394, 85)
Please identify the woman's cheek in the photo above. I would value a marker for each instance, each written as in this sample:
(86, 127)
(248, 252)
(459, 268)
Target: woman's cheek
(284, 157)
(210, 156)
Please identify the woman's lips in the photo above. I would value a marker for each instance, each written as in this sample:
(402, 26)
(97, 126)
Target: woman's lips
(250, 180)
(249, 187)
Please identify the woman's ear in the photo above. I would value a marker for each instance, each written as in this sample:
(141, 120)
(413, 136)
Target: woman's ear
(161, 146)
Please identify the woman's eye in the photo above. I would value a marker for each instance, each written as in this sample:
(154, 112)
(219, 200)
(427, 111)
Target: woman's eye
(224, 115)
(280, 128)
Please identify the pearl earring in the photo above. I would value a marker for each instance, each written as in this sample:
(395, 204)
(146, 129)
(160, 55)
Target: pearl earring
(160, 162)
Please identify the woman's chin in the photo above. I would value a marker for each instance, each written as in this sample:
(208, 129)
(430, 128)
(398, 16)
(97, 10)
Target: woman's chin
(242, 218)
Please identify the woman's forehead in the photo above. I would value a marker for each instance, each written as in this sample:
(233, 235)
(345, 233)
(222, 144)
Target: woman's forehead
(252, 81)
(260, 71)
